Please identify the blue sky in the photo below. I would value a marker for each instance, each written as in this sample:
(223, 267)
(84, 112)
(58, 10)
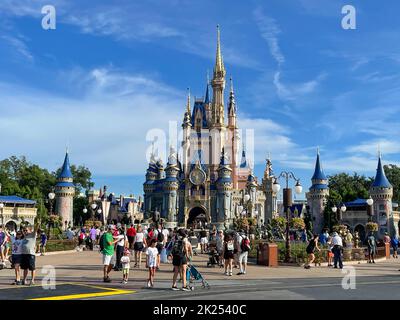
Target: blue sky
(113, 70)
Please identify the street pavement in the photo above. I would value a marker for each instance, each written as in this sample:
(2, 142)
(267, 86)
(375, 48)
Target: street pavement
(79, 276)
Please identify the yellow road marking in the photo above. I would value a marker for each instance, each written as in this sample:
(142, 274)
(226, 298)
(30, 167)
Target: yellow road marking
(86, 295)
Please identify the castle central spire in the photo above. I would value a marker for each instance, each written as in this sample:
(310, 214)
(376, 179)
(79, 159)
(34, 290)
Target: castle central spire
(218, 84)
(219, 69)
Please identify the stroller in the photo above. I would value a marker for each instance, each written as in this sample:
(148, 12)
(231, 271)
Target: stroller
(192, 275)
(214, 258)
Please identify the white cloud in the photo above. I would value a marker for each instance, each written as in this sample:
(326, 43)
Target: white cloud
(18, 44)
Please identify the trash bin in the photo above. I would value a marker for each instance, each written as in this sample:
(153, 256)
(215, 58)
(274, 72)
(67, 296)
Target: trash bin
(267, 254)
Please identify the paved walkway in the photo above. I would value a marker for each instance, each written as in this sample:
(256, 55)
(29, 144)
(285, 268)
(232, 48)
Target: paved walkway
(78, 271)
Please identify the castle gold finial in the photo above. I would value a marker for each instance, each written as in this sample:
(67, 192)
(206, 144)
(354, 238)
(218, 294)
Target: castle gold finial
(219, 64)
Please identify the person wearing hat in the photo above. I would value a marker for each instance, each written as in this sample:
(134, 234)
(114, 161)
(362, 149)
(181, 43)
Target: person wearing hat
(108, 242)
(337, 249)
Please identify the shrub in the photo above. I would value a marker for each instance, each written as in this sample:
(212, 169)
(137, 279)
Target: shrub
(371, 226)
(297, 223)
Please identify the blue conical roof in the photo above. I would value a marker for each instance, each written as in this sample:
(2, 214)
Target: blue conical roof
(380, 178)
(318, 172)
(66, 169)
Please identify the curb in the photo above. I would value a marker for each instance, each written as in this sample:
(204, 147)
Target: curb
(325, 264)
(53, 253)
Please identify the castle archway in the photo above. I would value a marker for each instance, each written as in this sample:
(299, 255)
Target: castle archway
(197, 218)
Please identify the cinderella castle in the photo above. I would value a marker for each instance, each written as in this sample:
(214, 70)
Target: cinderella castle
(209, 183)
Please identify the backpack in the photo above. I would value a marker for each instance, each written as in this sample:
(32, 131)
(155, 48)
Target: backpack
(177, 248)
(101, 242)
(245, 244)
(160, 237)
(82, 236)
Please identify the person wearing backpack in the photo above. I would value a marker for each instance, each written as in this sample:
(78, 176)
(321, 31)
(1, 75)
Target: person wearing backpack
(228, 252)
(181, 254)
(160, 247)
(243, 254)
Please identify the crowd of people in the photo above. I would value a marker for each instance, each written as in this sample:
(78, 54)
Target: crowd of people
(335, 244)
(157, 244)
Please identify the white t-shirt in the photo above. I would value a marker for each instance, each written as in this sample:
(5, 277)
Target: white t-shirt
(152, 254)
(139, 237)
(165, 232)
(97, 232)
(337, 241)
(121, 240)
(125, 262)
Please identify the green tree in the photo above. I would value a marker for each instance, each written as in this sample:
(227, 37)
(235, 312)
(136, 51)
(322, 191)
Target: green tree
(350, 187)
(393, 174)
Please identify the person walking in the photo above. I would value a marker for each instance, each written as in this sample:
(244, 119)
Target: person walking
(181, 254)
(43, 243)
(330, 252)
(139, 244)
(243, 254)
(203, 240)
(228, 252)
(312, 246)
(220, 247)
(107, 242)
(120, 247)
(395, 245)
(337, 249)
(152, 254)
(131, 232)
(371, 244)
(92, 235)
(28, 250)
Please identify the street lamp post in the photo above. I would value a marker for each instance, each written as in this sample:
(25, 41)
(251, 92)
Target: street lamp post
(51, 197)
(287, 202)
(93, 206)
(340, 212)
(370, 209)
(2, 212)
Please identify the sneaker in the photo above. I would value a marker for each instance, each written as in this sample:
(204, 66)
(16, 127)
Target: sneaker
(239, 273)
(230, 274)
(108, 280)
(244, 272)
(23, 282)
(226, 273)
(148, 284)
(175, 288)
(185, 288)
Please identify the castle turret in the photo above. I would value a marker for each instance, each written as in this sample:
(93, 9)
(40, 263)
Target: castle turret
(224, 193)
(187, 125)
(149, 186)
(251, 187)
(381, 192)
(65, 190)
(317, 196)
(170, 187)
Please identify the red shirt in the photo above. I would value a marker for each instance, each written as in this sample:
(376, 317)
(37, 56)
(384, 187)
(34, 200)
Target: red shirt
(131, 232)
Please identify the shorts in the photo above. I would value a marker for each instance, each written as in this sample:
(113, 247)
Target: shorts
(177, 261)
(108, 260)
(395, 248)
(28, 262)
(203, 240)
(125, 271)
(138, 246)
(159, 247)
(130, 240)
(243, 257)
(16, 259)
(228, 255)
